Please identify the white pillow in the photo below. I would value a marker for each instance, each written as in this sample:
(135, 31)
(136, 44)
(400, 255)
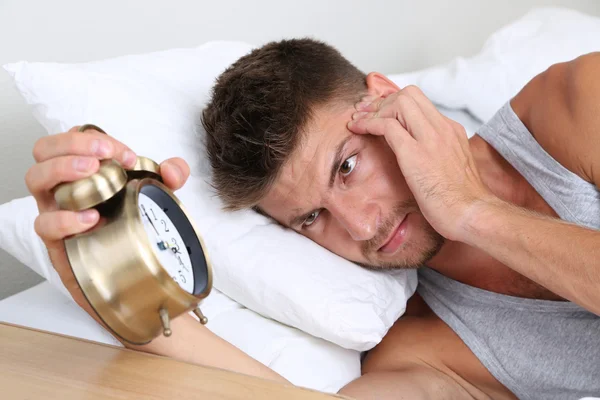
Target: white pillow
(510, 58)
(299, 357)
(152, 103)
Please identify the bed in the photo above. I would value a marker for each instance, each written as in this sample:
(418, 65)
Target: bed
(466, 89)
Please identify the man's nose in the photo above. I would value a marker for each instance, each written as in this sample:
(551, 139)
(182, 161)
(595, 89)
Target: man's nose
(361, 221)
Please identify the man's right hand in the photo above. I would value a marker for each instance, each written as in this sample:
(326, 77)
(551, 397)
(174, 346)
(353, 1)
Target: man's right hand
(67, 157)
(73, 155)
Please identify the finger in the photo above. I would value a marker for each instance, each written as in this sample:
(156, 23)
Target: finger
(370, 97)
(363, 114)
(175, 172)
(438, 121)
(397, 137)
(369, 104)
(403, 108)
(90, 143)
(57, 225)
(44, 176)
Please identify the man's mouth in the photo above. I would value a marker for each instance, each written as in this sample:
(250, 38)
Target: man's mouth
(396, 238)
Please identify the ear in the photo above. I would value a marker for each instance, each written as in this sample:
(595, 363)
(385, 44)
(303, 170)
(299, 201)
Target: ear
(379, 85)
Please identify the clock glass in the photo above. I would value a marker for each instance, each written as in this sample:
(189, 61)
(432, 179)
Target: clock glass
(173, 239)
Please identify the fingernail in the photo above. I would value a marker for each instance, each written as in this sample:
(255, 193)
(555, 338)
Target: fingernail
(368, 99)
(358, 115)
(128, 158)
(362, 105)
(82, 164)
(179, 172)
(102, 148)
(88, 216)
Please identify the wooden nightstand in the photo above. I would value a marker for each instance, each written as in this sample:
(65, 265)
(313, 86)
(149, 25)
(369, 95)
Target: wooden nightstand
(42, 365)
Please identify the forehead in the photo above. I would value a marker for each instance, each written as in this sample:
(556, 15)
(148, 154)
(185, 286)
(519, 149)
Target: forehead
(305, 175)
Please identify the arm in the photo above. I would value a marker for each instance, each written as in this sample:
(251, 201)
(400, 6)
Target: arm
(194, 343)
(562, 257)
(561, 108)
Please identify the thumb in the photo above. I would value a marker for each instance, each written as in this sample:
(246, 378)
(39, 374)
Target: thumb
(175, 172)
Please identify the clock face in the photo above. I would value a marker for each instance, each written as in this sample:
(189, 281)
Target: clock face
(167, 241)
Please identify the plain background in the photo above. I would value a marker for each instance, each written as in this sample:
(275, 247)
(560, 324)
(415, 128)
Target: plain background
(388, 36)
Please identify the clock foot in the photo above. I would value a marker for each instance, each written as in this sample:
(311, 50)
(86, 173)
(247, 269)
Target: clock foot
(203, 319)
(164, 319)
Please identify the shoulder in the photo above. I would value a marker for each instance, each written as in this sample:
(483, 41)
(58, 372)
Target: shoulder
(561, 109)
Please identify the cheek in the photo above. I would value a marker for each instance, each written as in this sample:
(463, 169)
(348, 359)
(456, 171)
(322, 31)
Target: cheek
(336, 239)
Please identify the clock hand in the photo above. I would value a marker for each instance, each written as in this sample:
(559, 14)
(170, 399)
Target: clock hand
(176, 253)
(149, 220)
(162, 245)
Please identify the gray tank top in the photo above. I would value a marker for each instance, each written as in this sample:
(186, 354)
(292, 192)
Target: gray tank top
(538, 349)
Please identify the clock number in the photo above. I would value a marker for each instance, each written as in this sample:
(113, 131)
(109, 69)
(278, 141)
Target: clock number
(176, 244)
(165, 224)
(152, 211)
(182, 278)
(183, 266)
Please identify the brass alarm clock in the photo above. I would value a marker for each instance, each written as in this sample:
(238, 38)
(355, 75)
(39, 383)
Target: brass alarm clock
(144, 263)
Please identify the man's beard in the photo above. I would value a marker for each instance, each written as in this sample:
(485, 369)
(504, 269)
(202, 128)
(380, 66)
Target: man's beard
(416, 251)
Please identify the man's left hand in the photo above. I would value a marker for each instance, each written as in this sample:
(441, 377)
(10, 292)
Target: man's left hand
(433, 154)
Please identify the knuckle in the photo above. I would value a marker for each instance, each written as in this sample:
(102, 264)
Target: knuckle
(38, 225)
(38, 148)
(87, 129)
(74, 143)
(455, 126)
(63, 222)
(29, 178)
(403, 100)
(413, 90)
(62, 167)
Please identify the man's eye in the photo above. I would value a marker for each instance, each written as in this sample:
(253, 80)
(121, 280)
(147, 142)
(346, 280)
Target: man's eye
(348, 166)
(311, 218)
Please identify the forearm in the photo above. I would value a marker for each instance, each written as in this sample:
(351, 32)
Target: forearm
(194, 343)
(562, 257)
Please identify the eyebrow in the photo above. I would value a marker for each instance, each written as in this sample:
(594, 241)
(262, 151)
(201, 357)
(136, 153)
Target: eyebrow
(335, 166)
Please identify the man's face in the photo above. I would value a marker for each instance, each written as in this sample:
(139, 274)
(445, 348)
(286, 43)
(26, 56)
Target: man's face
(346, 192)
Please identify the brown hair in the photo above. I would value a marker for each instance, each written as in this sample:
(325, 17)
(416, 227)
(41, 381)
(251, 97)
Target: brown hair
(259, 107)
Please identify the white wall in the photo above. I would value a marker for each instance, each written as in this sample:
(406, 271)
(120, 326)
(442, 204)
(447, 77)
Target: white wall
(389, 36)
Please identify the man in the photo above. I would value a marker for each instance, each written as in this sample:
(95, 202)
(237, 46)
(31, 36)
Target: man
(506, 222)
